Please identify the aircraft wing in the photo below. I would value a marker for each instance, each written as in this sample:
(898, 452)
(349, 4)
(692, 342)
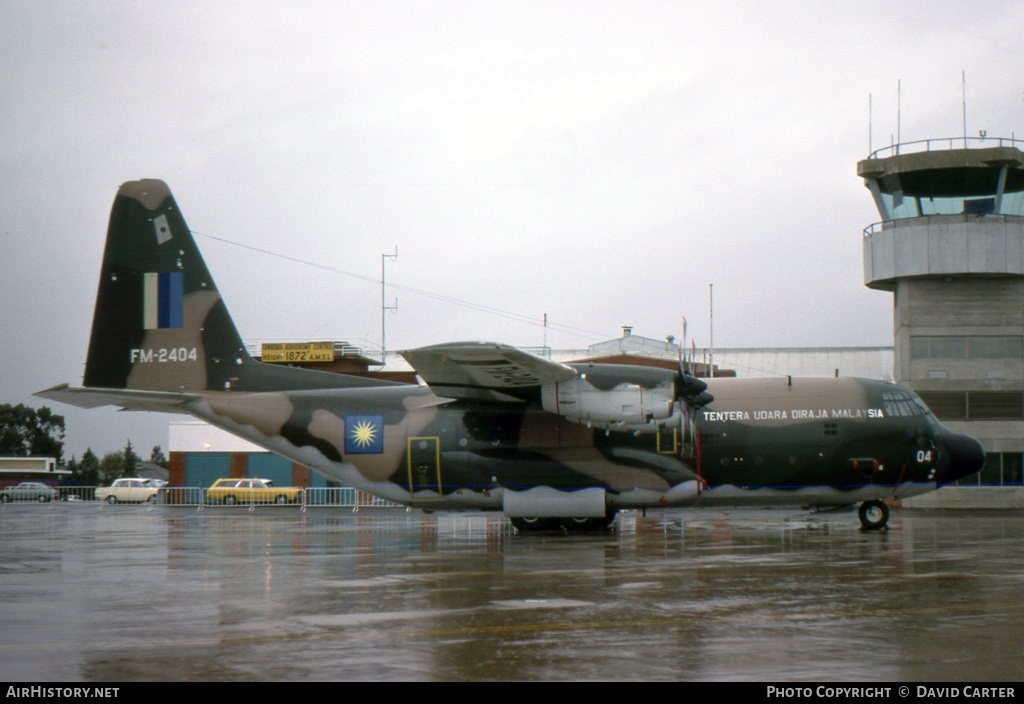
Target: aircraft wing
(127, 399)
(485, 371)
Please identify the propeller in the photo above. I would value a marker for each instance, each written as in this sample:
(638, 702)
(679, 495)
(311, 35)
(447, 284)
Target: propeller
(691, 389)
(686, 386)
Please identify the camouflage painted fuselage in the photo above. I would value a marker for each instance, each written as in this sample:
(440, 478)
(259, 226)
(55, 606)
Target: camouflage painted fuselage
(807, 441)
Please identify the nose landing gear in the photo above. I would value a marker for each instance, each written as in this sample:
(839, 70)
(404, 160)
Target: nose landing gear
(874, 515)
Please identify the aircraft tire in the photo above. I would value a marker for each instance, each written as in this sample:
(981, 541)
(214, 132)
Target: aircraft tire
(534, 524)
(574, 525)
(874, 515)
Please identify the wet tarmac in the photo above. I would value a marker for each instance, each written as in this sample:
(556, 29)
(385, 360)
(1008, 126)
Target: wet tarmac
(135, 593)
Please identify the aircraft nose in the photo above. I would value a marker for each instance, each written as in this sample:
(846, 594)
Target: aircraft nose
(964, 456)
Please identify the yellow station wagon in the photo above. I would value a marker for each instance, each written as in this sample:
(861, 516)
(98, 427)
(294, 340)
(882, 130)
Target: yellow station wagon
(251, 491)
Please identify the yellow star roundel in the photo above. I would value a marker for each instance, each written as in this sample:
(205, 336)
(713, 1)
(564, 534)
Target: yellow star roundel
(364, 434)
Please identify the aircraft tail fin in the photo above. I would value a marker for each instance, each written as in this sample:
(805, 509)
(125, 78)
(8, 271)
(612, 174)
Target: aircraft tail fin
(160, 323)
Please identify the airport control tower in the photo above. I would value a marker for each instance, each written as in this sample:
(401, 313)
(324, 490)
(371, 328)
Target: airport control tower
(951, 249)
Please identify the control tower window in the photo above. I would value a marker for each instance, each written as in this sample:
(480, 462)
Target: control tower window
(952, 192)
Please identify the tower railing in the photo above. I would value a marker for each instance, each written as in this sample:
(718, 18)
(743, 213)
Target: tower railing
(946, 143)
(918, 220)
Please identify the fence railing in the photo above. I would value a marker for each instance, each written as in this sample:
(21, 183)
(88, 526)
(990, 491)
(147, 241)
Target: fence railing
(336, 497)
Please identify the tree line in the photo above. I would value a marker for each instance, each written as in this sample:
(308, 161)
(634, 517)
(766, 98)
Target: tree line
(95, 470)
(30, 432)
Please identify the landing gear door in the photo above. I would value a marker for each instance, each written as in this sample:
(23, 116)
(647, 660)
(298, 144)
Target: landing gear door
(424, 455)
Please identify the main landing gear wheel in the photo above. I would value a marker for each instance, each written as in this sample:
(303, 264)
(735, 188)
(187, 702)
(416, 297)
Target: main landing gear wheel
(572, 525)
(588, 524)
(874, 515)
(533, 524)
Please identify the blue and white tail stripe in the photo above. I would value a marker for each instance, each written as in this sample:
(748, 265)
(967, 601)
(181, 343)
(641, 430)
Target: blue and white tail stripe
(163, 300)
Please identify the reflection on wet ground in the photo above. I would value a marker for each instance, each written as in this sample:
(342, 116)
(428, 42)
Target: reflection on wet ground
(161, 593)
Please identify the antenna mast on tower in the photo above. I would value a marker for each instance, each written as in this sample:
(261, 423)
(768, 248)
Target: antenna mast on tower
(384, 308)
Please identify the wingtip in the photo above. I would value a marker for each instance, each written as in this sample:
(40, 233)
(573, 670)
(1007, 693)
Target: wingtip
(58, 387)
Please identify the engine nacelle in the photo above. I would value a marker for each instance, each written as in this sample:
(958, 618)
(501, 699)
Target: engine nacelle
(625, 406)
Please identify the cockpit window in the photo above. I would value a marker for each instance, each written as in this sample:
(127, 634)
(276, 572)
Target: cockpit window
(902, 403)
(933, 422)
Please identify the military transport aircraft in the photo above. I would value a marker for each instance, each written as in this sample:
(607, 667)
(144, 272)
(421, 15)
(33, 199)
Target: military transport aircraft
(492, 427)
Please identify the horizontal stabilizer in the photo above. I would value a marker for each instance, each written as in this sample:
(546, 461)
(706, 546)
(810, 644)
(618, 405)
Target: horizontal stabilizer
(127, 399)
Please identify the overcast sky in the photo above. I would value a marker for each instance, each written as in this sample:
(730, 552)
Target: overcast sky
(599, 162)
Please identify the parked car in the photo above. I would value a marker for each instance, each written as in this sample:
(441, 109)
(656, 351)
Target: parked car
(256, 491)
(127, 491)
(28, 491)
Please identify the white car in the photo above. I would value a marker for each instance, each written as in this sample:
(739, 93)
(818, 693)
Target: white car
(28, 491)
(127, 491)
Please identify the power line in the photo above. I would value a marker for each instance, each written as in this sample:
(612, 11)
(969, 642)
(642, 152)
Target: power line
(518, 317)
